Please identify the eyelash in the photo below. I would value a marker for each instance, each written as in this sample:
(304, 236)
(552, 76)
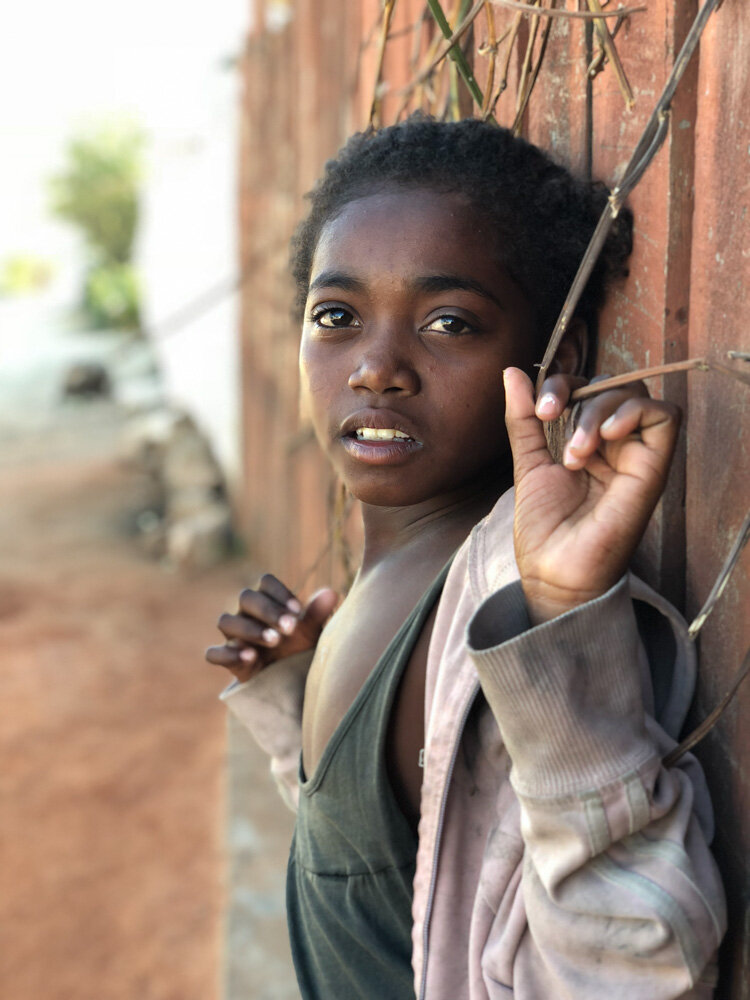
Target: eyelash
(317, 315)
(450, 318)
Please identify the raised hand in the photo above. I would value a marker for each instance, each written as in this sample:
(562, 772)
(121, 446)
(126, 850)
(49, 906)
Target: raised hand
(578, 524)
(270, 624)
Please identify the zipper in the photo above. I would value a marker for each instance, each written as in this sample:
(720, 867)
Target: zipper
(436, 851)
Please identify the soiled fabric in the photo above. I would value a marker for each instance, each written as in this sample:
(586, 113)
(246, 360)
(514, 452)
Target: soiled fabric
(558, 857)
(351, 866)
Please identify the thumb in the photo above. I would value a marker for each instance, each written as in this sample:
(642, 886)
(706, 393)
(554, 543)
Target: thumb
(525, 430)
(318, 610)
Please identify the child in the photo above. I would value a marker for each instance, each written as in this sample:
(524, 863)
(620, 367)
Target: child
(469, 741)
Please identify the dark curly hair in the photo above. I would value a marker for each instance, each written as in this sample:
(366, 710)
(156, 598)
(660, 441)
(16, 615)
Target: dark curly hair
(542, 215)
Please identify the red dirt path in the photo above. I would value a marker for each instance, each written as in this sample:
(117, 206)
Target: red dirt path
(112, 741)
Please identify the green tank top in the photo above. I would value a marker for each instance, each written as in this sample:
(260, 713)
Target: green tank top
(352, 860)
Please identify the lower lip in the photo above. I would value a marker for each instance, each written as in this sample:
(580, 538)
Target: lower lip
(380, 452)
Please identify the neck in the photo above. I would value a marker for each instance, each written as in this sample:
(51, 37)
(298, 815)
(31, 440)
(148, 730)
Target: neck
(441, 523)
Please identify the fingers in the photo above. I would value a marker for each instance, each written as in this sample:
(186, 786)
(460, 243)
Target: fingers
(276, 590)
(555, 395)
(649, 422)
(243, 663)
(243, 629)
(525, 432)
(224, 656)
(656, 422)
(592, 416)
(272, 614)
(270, 624)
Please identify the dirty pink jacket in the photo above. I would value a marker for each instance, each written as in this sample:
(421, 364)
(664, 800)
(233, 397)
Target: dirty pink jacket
(557, 857)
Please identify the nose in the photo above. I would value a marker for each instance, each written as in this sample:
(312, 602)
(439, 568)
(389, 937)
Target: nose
(385, 367)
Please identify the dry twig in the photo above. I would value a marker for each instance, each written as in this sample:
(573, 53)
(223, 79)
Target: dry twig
(377, 96)
(696, 364)
(528, 83)
(650, 142)
(450, 49)
(710, 721)
(584, 15)
(492, 46)
(723, 578)
(525, 69)
(609, 47)
(506, 66)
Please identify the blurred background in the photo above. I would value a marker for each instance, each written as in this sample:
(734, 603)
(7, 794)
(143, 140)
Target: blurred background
(153, 459)
(119, 461)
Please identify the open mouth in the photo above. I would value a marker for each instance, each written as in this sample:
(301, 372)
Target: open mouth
(380, 445)
(376, 434)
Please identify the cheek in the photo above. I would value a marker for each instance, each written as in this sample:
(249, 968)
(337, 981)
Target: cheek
(478, 405)
(320, 382)
(312, 371)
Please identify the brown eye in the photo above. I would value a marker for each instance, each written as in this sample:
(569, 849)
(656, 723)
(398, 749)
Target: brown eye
(333, 317)
(450, 325)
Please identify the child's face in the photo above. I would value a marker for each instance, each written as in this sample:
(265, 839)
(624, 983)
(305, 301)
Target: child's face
(409, 323)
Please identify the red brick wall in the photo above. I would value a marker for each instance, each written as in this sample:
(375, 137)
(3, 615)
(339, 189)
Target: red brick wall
(309, 84)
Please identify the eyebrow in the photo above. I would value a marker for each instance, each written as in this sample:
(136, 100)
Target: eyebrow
(430, 284)
(454, 282)
(337, 279)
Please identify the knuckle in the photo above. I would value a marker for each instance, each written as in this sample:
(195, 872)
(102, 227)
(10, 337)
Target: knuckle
(224, 621)
(267, 580)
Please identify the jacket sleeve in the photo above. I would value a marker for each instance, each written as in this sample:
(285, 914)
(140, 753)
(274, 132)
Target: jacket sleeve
(621, 894)
(270, 707)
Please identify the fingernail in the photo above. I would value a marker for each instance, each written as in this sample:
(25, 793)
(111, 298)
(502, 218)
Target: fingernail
(546, 405)
(271, 635)
(608, 423)
(248, 655)
(294, 605)
(287, 624)
(578, 440)
(570, 461)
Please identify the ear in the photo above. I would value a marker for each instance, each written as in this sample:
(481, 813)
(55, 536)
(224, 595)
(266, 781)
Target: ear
(570, 357)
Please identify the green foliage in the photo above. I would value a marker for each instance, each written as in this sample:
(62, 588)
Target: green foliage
(23, 274)
(112, 296)
(98, 189)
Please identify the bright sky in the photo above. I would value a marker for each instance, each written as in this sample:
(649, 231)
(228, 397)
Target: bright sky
(63, 64)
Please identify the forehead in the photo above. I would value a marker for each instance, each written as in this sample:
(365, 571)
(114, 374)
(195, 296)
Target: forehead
(409, 231)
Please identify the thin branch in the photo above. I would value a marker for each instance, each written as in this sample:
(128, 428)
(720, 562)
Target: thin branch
(584, 15)
(451, 40)
(529, 86)
(648, 145)
(419, 83)
(377, 97)
(607, 43)
(597, 63)
(723, 578)
(615, 381)
(454, 52)
(710, 721)
(525, 70)
(692, 364)
(492, 43)
(506, 66)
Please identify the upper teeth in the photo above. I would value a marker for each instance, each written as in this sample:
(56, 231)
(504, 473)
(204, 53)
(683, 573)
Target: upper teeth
(379, 434)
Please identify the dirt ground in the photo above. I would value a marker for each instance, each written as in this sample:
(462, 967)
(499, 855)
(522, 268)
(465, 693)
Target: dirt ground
(112, 741)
